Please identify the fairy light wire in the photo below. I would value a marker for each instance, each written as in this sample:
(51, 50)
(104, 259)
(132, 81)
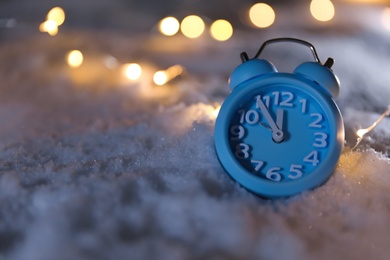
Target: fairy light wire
(361, 132)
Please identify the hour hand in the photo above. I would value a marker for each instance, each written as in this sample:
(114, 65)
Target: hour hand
(277, 134)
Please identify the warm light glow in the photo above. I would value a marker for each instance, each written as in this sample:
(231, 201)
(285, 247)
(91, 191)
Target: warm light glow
(160, 78)
(322, 10)
(386, 18)
(57, 15)
(192, 26)
(216, 112)
(50, 27)
(163, 76)
(169, 26)
(221, 30)
(262, 15)
(371, 2)
(132, 71)
(110, 62)
(75, 58)
(361, 132)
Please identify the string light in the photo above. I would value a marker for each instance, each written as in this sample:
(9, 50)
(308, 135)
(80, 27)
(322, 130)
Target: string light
(322, 10)
(74, 58)
(216, 112)
(110, 62)
(169, 26)
(361, 132)
(57, 15)
(132, 71)
(372, 2)
(262, 15)
(50, 27)
(163, 76)
(221, 30)
(192, 26)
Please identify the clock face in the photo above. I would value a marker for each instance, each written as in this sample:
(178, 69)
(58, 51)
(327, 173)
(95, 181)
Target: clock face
(279, 139)
(298, 119)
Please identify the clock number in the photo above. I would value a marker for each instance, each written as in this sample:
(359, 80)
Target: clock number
(317, 120)
(287, 102)
(251, 117)
(237, 132)
(242, 151)
(273, 174)
(312, 158)
(296, 169)
(266, 101)
(276, 95)
(258, 164)
(283, 99)
(304, 105)
(320, 140)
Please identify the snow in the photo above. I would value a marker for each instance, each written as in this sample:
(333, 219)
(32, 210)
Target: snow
(94, 166)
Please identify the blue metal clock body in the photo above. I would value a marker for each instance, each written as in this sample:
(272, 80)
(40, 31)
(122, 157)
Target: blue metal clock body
(278, 134)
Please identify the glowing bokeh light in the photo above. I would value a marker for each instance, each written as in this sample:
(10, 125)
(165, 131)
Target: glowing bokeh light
(216, 112)
(132, 71)
(221, 30)
(160, 78)
(50, 27)
(110, 62)
(262, 15)
(192, 26)
(322, 10)
(372, 2)
(386, 18)
(57, 15)
(74, 58)
(361, 132)
(163, 76)
(169, 26)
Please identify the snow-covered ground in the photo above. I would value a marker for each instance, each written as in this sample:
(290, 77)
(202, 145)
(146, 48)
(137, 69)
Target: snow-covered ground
(94, 166)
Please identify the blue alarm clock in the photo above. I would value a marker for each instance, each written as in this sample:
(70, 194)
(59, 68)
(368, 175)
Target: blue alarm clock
(279, 134)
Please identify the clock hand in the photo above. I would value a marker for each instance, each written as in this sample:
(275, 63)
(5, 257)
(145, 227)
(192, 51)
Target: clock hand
(279, 119)
(277, 134)
(265, 126)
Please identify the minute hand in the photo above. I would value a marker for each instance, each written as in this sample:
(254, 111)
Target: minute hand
(277, 134)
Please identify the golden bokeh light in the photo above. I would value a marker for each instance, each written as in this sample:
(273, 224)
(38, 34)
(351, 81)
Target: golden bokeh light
(221, 30)
(50, 27)
(322, 10)
(361, 132)
(163, 76)
(74, 58)
(192, 26)
(160, 78)
(371, 2)
(169, 26)
(216, 112)
(57, 15)
(132, 71)
(386, 18)
(262, 15)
